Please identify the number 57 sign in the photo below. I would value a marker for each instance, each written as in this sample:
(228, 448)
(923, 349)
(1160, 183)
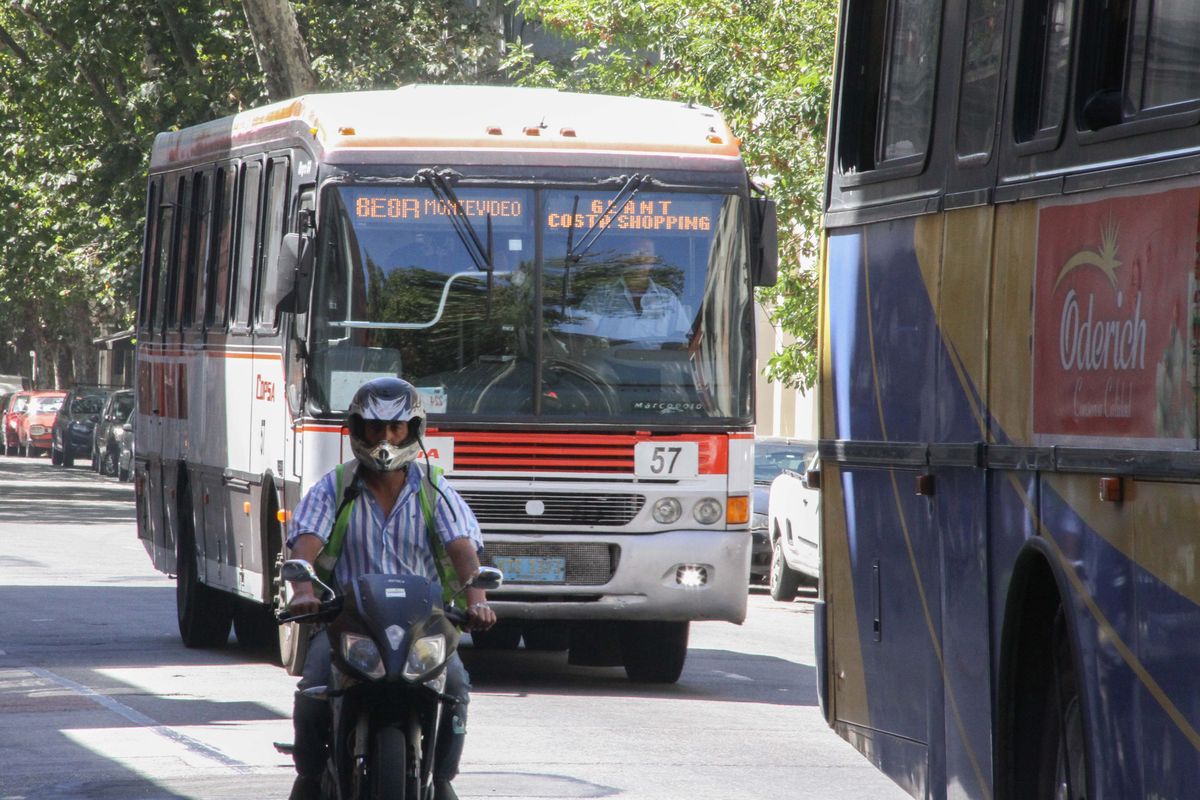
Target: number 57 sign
(666, 459)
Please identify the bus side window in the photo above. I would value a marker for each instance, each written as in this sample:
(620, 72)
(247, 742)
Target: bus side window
(247, 226)
(858, 96)
(1165, 55)
(164, 259)
(177, 280)
(192, 286)
(1042, 75)
(273, 228)
(982, 54)
(911, 78)
(150, 257)
(216, 308)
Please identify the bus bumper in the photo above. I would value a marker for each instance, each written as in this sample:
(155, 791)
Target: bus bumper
(653, 578)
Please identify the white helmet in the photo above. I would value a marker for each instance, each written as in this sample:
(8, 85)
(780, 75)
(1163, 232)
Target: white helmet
(386, 400)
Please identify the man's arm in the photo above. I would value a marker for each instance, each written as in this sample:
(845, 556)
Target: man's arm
(304, 599)
(462, 555)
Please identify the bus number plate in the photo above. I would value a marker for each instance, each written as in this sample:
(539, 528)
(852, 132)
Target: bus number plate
(666, 459)
(528, 569)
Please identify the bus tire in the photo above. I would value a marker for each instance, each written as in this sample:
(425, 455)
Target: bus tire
(547, 636)
(501, 636)
(204, 614)
(1062, 764)
(255, 628)
(654, 652)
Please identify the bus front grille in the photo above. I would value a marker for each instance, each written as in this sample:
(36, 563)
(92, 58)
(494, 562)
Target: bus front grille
(538, 508)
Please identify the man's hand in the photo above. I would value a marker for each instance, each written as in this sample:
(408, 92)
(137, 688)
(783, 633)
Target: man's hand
(304, 600)
(480, 616)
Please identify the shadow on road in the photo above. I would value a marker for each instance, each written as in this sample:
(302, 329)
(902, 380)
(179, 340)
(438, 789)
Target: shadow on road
(710, 675)
(75, 495)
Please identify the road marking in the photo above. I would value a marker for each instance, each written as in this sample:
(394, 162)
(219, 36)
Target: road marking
(137, 718)
(732, 676)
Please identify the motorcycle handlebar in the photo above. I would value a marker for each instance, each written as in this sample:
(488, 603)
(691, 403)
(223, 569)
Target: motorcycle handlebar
(329, 609)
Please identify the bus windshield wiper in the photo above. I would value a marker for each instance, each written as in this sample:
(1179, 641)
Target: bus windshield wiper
(574, 253)
(439, 184)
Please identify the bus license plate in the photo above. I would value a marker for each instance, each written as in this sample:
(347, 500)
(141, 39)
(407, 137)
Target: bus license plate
(528, 569)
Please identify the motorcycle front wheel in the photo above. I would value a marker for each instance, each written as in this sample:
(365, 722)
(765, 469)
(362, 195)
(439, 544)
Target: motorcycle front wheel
(389, 761)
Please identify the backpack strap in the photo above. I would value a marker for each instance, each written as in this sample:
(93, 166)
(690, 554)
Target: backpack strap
(328, 557)
(452, 593)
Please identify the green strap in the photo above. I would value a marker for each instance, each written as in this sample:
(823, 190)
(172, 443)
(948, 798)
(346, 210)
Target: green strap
(452, 593)
(328, 557)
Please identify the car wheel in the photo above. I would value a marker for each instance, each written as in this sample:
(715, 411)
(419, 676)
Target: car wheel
(108, 464)
(55, 457)
(783, 579)
(654, 652)
(68, 456)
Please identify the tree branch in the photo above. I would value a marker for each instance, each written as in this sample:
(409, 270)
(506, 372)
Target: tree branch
(8, 41)
(108, 108)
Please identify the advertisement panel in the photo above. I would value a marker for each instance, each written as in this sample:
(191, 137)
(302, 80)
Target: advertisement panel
(1115, 316)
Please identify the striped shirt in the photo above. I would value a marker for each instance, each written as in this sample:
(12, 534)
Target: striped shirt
(395, 545)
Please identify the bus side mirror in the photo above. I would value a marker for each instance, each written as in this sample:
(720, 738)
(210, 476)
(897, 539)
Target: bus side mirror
(764, 241)
(294, 271)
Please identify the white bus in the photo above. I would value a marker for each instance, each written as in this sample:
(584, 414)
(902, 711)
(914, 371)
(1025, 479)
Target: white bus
(484, 244)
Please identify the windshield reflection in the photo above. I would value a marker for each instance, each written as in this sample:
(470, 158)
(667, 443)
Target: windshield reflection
(651, 322)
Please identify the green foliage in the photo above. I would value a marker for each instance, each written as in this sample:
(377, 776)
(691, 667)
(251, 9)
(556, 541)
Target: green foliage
(765, 64)
(86, 84)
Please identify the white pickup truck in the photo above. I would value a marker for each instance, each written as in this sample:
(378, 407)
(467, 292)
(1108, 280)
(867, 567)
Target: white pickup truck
(793, 524)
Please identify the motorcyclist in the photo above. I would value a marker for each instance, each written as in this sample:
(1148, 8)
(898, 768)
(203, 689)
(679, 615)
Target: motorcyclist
(386, 534)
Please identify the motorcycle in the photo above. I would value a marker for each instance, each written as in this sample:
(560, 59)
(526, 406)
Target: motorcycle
(390, 640)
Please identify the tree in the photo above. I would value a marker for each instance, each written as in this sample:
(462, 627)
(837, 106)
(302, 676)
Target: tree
(85, 85)
(765, 64)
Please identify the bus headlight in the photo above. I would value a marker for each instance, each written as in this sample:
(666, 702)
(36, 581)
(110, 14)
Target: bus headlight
(361, 653)
(666, 510)
(707, 511)
(426, 654)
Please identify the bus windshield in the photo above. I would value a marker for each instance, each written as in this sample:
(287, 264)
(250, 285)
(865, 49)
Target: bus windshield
(641, 313)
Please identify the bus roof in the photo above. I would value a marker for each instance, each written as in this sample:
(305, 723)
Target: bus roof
(479, 118)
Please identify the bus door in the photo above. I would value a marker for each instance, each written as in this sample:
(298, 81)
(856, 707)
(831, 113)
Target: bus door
(879, 539)
(268, 415)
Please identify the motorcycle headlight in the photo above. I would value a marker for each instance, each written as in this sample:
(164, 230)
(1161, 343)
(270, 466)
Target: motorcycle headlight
(426, 653)
(361, 653)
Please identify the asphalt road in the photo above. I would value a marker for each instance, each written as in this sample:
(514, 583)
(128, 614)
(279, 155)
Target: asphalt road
(98, 698)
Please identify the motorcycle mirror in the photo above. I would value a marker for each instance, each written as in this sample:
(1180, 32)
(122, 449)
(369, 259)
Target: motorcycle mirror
(298, 570)
(488, 579)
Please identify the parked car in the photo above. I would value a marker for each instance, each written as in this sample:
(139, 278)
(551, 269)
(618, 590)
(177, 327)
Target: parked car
(35, 426)
(125, 451)
(72, 435)
(771, 456)
(11, 415)
(116, 413)
(793, 520)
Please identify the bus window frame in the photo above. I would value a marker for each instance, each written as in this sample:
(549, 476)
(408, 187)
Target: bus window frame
(271, 204)
(968, 160)
(1022, 75)
(149, 279)
(228, 172)
(171, 299)
(241, 284)
(868, 102)
(200, 222)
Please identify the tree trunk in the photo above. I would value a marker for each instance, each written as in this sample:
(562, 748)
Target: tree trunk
(280, 48)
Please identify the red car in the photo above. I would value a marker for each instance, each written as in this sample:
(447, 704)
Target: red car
(36, 426)
(10, 416)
